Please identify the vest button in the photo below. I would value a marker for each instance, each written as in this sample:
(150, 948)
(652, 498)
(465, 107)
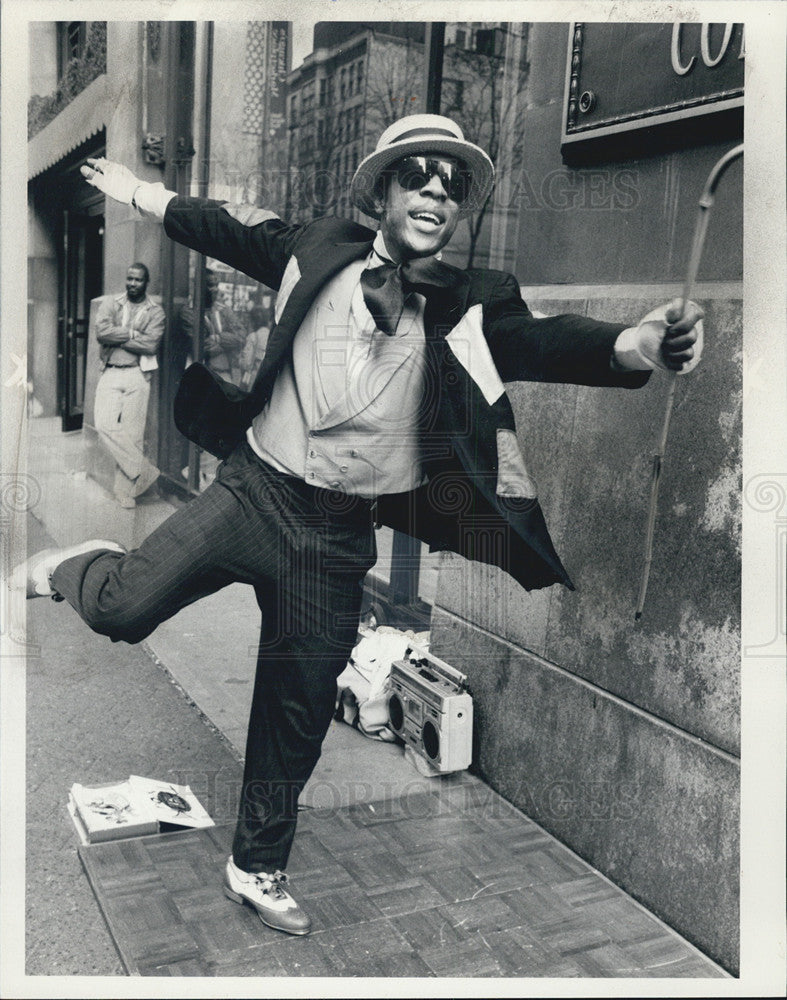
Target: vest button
(343, 468)
(312, 454)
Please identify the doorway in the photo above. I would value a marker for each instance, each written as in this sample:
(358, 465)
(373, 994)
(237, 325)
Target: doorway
(81, 279)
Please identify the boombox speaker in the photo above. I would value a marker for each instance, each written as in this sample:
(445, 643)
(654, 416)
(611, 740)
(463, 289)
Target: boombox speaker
(431, 711)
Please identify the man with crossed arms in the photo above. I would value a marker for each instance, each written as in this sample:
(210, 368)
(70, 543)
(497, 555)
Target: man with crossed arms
(380, 399)
(129, 328)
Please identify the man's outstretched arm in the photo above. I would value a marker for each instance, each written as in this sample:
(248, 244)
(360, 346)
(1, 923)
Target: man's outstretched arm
(252, 240)
(580, 350)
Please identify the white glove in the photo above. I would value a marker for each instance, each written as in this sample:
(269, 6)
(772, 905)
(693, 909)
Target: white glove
(113, 179)
(120, 183)
(662, 340)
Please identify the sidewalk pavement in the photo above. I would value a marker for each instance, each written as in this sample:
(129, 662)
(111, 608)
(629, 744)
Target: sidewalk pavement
(174, 707)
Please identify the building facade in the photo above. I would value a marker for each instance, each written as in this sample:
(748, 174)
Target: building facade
(620, 737)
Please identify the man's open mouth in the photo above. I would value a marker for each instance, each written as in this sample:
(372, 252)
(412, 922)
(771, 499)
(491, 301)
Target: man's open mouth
(429, 218)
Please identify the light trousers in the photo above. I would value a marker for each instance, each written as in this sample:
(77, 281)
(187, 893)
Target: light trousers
(120, 412)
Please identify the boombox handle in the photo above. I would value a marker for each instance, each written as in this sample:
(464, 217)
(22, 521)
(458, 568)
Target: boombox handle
(430, 662)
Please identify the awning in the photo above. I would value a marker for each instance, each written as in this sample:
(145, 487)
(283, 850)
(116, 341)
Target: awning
(85, 116)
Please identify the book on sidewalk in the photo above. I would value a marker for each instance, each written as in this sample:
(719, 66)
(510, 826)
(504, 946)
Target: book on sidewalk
(133, 808)
(172, 805)
(111, 811)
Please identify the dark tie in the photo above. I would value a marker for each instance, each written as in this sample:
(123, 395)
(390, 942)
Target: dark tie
(385, 287)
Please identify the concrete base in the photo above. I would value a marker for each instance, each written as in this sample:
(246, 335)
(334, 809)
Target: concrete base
(649, 805)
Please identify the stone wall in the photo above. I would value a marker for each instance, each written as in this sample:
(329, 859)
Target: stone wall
(621, 737)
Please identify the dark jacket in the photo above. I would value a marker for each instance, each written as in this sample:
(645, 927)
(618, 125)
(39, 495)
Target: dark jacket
(479, 499)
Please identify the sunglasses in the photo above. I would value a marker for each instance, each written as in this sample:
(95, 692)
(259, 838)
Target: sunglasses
(414, 172)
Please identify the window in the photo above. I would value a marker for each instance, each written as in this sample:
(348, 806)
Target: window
(489, 41)
(71, 37)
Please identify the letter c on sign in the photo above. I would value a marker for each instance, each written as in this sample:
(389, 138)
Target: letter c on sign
(705, 45)
(708, 60)
(676, 63)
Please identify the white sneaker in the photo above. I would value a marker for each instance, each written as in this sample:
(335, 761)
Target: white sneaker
(34, 573)
(266, 893)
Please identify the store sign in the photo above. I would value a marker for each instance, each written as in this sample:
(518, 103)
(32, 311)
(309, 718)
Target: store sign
(666, 79)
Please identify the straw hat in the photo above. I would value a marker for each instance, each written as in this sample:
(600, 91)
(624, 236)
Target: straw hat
(419, 135)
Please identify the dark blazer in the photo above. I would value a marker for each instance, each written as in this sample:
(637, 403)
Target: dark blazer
(479, 499)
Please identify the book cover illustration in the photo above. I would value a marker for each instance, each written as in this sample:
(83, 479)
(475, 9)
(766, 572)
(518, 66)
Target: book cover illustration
(170, 803)
(111, 811)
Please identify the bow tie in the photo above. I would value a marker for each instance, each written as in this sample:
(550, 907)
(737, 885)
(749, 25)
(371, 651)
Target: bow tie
(385, 287)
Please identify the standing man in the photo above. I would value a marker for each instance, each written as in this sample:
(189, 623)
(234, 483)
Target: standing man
(256, 344)
(380, 398)
(129, 329)
(224, 333)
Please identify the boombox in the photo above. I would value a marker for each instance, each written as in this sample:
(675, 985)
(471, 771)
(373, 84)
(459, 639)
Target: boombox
(431, 711)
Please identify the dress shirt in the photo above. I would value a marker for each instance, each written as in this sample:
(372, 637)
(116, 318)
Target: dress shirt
(344, 410)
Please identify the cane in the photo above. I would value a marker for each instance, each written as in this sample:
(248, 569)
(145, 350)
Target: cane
(701, 228)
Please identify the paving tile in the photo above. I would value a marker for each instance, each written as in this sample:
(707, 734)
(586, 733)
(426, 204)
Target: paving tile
(688, 967)
(574, 935)
(400, 840)
(616, 910)
(432, 861)
(262, 963)
(337, 833)
(666, 954)
(374, 869)
(403, 965)
(465, 959)
(586, 889)
(406, 897)
(544, 863)
(427, 929)
(389, 894)
(178, 875)
(486, 913)
(443, 828)
(233, 932)
(190, 904)
(537, 908)
(308, 853)
(361, 945)
(521, 954)
(455, 884)
(334, 878)
(469, 794)
(342, 909)
(306, 956)
(602, 960)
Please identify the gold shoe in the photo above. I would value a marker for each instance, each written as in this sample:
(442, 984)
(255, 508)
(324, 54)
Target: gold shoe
(266, 893)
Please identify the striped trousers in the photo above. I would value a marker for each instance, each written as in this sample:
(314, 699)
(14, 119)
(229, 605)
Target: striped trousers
(306, 552)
